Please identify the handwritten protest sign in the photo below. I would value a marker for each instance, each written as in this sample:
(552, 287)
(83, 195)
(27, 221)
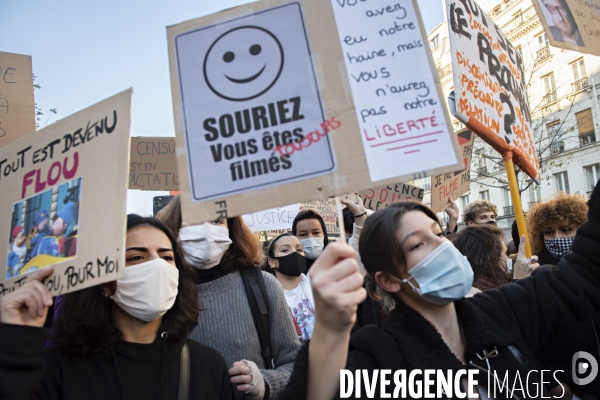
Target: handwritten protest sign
(153, 165)
(489, 85)
(17, 110)
(264, 117)
(273, 219)
(453, 184)
(381, 197)
(328, 210)
(399, 110)
(57, 205)
(571, 24)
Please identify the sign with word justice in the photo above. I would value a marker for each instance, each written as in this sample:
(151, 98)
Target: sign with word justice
(489, 85)
(17, 108)
(273, 219)
(453, 184)
(381, 197)
(152, 164)
(401, 115)
(264, 117)
(58, 208)
(571, 24)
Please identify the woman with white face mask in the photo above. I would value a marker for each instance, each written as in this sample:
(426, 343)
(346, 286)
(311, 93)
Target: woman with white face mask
(432, 327)
(126, 339)
(219, 251)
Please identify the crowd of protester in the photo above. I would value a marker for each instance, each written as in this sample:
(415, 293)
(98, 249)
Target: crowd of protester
(208, 312)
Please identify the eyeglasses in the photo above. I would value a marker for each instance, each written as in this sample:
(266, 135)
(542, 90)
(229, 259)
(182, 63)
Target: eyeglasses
(555, 10)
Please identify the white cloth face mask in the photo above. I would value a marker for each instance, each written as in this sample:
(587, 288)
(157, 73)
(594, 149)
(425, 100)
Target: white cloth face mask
(147, 290)
(313, 247)
(204, 245)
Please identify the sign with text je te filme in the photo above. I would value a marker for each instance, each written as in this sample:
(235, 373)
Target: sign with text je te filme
(261, 109)
(454, 184)
(58, 207)
(489, 85)
(153, 165)
(17, 109)
(571, 24)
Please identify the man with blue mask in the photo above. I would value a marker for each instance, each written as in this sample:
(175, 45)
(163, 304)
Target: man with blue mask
(309, 227)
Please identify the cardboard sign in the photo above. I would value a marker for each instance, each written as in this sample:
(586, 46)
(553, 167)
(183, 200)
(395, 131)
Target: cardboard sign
(489, 85)
(328, 210)
(274, 219)
(381, 197)
(262, 110)
(58, 207)
(153, 165)
(571, 24)
(399, 111)
(453, 184)
(17, 108)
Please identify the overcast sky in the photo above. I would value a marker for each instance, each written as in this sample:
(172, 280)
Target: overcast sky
(86, 51)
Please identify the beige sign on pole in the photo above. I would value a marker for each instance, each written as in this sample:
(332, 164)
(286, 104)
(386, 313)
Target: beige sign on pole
(453, 184)
(17, 108)
(153, 164)
(273, 105)
(571, 24)
(63, 203)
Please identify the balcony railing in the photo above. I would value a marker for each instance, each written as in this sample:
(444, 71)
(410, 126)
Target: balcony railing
(482, 170)
(557, 147)
(587, 138)
(508, 210)
(580, 84)
(518, 20)
(542, 54)
(550, 97)
(533, 203)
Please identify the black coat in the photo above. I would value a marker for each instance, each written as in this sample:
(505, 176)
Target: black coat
(517, 319)
(125, 371)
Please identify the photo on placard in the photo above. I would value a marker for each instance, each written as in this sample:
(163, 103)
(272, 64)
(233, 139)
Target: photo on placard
(40, 237)
(561, 22)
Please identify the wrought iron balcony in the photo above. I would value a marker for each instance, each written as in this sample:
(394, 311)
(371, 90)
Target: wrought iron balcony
(580, 84)
(508, 210)
(482, 170)
(550, 97)
(587, 138)
(557, 147)
(542, 54)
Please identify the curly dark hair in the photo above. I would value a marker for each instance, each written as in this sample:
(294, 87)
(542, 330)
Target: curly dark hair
(245, 249)
(564, 210)
(84, 324)
(482, 245)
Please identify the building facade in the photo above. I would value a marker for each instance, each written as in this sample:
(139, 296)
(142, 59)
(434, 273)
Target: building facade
(564, 96)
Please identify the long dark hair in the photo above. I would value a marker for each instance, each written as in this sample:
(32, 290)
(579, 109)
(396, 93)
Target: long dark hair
(481, 244)
(245, 249)
(379, 249)
(84, 324)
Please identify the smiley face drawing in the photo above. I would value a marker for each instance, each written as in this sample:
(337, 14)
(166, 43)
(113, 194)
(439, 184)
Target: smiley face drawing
(243, 63)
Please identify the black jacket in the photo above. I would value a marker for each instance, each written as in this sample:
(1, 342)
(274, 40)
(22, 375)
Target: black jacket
(123, 371)
(516, 319)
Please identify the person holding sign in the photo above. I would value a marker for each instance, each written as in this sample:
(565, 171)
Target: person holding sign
(287, 260)
(432, 326)
(122, 339)
(225, 254)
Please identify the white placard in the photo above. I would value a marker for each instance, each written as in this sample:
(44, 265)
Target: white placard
(392, 77)
(272, 219)
(250, 103)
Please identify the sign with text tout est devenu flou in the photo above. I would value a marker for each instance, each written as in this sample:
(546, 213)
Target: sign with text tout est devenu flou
(264, 117)
(63, 203)
(489, 85)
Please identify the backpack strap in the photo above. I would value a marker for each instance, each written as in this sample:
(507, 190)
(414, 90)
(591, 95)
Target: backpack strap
(184, 374)
(256, 291)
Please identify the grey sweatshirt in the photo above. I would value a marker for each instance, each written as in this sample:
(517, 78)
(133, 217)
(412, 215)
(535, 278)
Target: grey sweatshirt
(227, 326)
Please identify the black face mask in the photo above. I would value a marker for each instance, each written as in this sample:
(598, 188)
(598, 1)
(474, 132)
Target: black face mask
(291, 265)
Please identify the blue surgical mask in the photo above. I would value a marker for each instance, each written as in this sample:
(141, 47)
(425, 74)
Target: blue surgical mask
(444, 276)
(312, 247)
